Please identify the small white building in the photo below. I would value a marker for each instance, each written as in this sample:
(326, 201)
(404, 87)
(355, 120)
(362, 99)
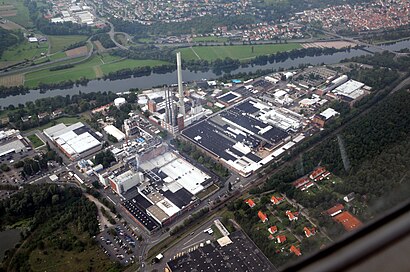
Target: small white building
(115, 132)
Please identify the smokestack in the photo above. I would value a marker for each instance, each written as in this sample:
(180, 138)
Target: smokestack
(180, 87)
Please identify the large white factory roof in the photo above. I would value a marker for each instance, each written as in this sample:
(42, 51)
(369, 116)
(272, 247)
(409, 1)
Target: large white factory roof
(73, 142)
(329, 113)
(350, 89)
(14, 146)
(168, 207)
(178, 171)
(115, 132)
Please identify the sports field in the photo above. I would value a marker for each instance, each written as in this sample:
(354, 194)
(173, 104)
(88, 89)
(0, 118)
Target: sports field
(240, 52)
(95, 67)
(59, 43)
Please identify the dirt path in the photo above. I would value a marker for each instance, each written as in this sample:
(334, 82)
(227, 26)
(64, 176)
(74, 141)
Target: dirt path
(98, 72)
(103, 221)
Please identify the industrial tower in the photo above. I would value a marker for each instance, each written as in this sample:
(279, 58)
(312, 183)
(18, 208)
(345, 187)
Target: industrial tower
(180, 87)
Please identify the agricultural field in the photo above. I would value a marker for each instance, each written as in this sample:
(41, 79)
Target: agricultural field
(95, 67)
(240, 52)
(15, 11)
(59, 43)
(79, 51)
(25, 51)
(12, 80)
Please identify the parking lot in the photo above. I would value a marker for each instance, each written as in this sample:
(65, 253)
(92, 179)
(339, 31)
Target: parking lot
(119, 243)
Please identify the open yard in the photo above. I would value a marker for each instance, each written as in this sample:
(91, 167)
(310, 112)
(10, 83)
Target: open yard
(95, 67)
(241, 52)
(59, 43)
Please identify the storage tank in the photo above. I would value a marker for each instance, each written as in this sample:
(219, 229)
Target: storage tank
(118, 102)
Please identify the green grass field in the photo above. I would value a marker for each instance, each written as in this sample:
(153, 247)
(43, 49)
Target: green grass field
(240, 52)
(22, 17)
(209, 39)
(95, 67)
(24, 51)
(35, 140)
(59, 43)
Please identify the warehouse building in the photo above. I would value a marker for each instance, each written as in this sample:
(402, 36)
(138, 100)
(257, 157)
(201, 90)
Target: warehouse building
(123, 182)
(115, 132)
(75, 141)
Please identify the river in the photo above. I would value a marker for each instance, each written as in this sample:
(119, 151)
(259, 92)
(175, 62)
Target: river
(152, 80)
(8, 240)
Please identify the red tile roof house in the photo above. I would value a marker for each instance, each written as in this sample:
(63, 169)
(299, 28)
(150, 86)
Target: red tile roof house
(262, 216)
(291, 216)
(281, 239)
(316, 173)
(295, 250)
(250, 203)
(273, 229)
(276, 200)
(271, 237)
(335, 210)
(309, 232)
(300, 182)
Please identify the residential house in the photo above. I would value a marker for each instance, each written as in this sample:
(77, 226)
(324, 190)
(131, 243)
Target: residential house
(295, 250)
(281, 239)
(250, 203)
(291, 216)
(262, 216)
(273, 229)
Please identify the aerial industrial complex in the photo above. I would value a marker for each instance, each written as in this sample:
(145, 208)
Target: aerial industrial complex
(248, 135)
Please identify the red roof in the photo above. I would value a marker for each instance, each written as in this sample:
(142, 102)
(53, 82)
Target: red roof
(281, 238)
(309, 232)
(276, 200)
(271, 237)
(300, 182)
(348, 221)
(317, 172)
(291, 216)
(262, 216)
(273, 229)
(335, 210)
(295, 250)
(250, 202)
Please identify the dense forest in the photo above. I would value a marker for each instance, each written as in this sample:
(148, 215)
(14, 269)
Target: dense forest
(104, 39)
(8, 39)
(58, 220)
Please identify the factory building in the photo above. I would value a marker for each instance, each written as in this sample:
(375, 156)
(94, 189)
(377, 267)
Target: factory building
(75, 141)
(125, 181)
(115, 132)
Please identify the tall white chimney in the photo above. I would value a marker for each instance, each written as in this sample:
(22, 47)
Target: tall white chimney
(180, 87)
